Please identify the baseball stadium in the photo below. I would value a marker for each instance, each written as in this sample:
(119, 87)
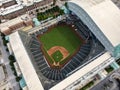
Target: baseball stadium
(53, 54)
(61, 49)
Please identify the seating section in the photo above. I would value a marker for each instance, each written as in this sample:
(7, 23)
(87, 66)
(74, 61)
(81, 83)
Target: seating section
(40, 31)
(77, 59)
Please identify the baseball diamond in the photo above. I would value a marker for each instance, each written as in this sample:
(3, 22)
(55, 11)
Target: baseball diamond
(59, 44)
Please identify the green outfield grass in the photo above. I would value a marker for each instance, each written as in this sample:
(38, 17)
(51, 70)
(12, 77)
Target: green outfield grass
(61, 36)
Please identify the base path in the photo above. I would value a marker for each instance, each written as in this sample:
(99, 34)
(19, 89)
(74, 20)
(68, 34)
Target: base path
(64, 52)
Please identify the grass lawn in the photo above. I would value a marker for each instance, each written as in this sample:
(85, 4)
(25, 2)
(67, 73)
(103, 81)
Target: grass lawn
(87, 86)
(57, 56)
(109, 69)
(61, 36)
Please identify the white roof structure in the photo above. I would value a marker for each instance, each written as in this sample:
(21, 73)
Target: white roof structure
(29, 2)
(25, 63)
(81, 72)
(106, 16)
(2, 75)
(20, 4)
(4, 11)
(15, 7)
(4, 1)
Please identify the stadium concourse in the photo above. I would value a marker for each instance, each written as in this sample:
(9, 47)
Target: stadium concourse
(87, 16)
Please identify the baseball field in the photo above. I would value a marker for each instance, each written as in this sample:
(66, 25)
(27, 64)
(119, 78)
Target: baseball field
(60, 43)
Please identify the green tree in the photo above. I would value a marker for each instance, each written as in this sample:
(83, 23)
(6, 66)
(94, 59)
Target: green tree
(54, 2)
(3, 38)
(18, 79)
(15, 73)
(2, 34)
(11, 57)
(37, 10)
(11, 63)
(5, 42)
(12, 67)
(66, 5)
(7, 49)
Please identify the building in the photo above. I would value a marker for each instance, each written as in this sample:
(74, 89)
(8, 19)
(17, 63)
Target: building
(10, 9)
(16, 24)
(103, 27)
(7, 3)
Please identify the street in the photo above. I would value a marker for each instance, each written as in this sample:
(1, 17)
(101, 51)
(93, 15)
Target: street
(11, 78)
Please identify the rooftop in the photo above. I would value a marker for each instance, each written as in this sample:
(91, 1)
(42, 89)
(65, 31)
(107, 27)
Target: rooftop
(81, 72)
(106, 15)
(15, 21)
(4, 1)
(25, 63)
(20, 4)
(29, 2)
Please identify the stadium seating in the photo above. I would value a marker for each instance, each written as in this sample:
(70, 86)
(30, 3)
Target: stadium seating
(56, 74)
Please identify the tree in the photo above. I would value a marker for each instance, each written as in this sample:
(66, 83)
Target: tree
(7, 49)
(12, 67)
(15, 73)
(3, 38)
(20, 88)
(37, 10)
(66, 5)
(18, 79)
(4, 42)
(11, 63)
(61, 12)
(11, 57)
(54, 2)
(2, 34)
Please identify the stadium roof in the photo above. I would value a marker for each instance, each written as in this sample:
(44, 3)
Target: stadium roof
(24, 62)
(106, 16)
(81, 72)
